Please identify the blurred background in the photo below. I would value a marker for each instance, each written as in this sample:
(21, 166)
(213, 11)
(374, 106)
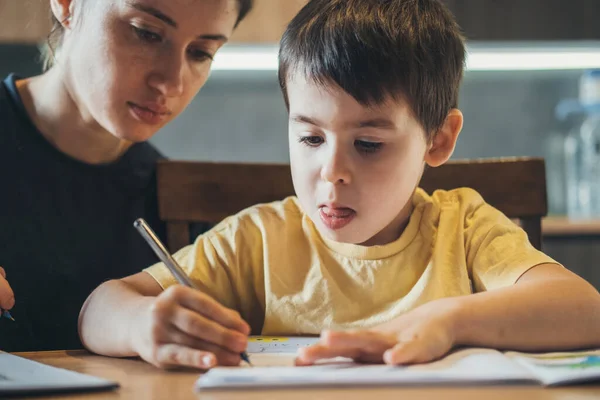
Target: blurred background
(529, 90)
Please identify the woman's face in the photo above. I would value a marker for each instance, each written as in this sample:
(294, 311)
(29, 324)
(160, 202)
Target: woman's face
(134, 65)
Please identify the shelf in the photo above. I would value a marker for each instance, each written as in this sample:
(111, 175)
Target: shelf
(563, 226)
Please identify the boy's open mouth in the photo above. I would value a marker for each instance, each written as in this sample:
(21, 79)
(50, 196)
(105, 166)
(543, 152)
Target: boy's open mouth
(336, 217)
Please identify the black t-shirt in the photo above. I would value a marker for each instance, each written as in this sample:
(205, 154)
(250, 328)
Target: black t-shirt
(65, 227)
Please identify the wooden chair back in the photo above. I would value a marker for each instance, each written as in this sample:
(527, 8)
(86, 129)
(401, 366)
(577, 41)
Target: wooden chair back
(191, 192)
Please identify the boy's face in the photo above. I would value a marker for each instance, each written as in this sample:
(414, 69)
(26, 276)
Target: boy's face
(354, 168)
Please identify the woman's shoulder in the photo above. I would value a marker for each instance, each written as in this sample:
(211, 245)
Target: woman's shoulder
(143, 153)
(9, 109)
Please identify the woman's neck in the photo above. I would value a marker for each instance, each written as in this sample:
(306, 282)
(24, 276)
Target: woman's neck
(66, 124)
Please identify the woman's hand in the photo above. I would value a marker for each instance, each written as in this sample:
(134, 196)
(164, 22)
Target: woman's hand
(421, 335)
(7, 297)
(184, 327)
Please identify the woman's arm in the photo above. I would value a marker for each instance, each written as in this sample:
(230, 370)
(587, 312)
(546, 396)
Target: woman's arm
(7, 297)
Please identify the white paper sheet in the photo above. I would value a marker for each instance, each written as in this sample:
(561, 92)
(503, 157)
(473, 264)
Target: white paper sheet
(481, 366)
(22, 376)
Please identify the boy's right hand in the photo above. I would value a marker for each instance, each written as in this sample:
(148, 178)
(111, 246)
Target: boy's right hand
(7, 297)
(184, 327)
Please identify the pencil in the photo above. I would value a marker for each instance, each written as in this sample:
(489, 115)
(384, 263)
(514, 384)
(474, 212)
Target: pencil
(6, 314)
(161, 251)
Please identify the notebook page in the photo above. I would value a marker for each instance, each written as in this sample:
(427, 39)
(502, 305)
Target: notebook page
(278, 344)
(561, 368)
(20, 375)
(469, 366)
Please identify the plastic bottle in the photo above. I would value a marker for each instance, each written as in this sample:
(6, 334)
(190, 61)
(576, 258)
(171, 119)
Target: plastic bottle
(583, 148)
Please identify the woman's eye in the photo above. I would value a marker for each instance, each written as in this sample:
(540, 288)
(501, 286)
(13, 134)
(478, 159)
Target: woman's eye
(199, 55)
(146, 35)
(368, 147)
(312, 141)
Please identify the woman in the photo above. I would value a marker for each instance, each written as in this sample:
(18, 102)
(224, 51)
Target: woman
(74, 163)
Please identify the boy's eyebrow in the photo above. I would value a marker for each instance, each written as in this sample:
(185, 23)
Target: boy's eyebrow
(168, 20)
(303, 119)
(380, 123)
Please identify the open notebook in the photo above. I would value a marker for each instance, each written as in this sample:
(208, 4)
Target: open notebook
(467, 366)
(20, 376)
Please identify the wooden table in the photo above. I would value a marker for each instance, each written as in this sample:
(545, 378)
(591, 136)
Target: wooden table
(140, 380)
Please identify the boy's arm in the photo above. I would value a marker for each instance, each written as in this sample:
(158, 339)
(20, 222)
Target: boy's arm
(549, 308)
(178, 326)
(112, 305)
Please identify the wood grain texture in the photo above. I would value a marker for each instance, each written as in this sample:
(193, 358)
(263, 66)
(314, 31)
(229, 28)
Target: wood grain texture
(139, 380)
(27, 21)
(24, 21)
(267, 21)
(527, 19)
(208, 192)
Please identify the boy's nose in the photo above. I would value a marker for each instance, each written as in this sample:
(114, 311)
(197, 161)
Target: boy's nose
(336, 170)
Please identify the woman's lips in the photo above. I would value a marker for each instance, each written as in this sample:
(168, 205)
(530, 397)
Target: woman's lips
(336, 218)
(147, 115)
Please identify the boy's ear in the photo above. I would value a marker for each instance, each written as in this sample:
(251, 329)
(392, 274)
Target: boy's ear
(62, 10)
(442, 146)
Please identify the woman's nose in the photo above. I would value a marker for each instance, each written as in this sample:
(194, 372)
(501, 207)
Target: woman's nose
(168, 78)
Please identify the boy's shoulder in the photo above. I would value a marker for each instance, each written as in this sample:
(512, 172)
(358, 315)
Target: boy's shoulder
(460, 198)
(265, 215)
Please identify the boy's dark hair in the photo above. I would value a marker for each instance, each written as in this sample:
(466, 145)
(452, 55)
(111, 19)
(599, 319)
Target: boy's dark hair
(377, 49)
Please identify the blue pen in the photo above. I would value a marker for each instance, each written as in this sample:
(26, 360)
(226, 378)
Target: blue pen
(162, 253)
(6, 314)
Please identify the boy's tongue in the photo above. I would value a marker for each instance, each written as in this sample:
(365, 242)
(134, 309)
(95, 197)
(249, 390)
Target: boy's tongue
(337, 212)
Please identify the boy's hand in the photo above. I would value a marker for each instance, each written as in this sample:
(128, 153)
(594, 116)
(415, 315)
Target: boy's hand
(7, 297)
(421, 335)
(184, 327)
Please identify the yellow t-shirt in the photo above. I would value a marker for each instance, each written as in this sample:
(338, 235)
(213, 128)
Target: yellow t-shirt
(270, 263)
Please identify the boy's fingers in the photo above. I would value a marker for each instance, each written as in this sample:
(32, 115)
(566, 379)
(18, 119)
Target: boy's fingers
(368, 341)
(170, 355)
(7, 297)
(365, 346)
(224, 357)
(409, 352)
(207, 306)
(309, 355)
(198, 326)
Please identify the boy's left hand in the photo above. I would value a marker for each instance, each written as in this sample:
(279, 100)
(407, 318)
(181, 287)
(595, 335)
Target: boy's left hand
(421, 335)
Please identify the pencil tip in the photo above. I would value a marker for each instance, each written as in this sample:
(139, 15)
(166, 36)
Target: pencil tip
(246, 358)
(6, 314)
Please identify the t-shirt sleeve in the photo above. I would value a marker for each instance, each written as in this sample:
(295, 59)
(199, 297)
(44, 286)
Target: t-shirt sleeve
(225, 263)
(498, 251)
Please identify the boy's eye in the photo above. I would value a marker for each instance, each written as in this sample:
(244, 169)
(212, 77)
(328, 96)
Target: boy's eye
(199, 55)
(146, 35)
(368, 147)
(312, 141)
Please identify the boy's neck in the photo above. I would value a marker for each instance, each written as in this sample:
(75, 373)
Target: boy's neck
(394, 229)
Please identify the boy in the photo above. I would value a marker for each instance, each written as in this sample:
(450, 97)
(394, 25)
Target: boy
(384, 271)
